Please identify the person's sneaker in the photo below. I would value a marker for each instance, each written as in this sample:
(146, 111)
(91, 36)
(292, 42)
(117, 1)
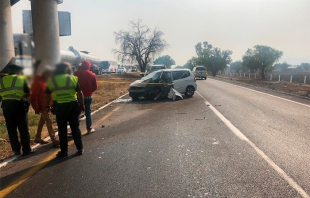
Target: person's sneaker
(55, 143)
(17, 153)
(80, 152)
(32, 151)
(61, 154)
(39, 140)
(90, 131)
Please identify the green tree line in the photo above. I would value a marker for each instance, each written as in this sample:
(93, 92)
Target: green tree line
(260, 59)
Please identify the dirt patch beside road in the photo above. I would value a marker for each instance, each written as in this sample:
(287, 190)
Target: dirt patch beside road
(110, 87)
(299, 89)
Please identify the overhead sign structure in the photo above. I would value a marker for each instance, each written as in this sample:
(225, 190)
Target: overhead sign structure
(64, 19)
(14, 1)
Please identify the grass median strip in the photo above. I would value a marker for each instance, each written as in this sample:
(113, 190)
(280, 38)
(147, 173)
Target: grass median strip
(12, 186)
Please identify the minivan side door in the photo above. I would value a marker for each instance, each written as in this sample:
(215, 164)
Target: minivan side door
(179, 82)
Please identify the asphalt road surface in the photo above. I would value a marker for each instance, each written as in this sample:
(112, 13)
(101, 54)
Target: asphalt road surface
(226, 141)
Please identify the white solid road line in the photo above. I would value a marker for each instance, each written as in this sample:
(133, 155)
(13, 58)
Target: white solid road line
(271, 163)
(264, 93)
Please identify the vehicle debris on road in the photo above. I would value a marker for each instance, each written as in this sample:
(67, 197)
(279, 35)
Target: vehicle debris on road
(174, 94)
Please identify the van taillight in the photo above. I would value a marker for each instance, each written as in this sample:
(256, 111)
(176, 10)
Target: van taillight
(195, 78)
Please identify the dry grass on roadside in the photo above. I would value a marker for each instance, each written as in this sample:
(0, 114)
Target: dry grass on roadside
(293, 88)
(110, 88)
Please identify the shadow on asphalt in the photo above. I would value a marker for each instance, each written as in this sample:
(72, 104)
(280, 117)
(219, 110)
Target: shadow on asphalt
(148, 101)
(15, 178)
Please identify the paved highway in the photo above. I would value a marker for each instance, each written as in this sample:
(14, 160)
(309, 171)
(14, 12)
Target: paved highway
(226, 141)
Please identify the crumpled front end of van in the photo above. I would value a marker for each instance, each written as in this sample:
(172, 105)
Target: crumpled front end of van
(137, 89)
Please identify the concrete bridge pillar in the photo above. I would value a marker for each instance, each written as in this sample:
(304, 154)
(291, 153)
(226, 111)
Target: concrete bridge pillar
(6, 34)
(46, 31)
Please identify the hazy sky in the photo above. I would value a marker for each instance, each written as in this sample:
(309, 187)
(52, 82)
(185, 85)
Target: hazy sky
(228, 24)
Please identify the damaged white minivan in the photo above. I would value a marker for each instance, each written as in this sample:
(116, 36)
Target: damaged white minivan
(182, 80)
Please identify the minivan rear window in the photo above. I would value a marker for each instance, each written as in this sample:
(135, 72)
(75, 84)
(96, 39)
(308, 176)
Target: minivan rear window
(200, 68)
(180, 74)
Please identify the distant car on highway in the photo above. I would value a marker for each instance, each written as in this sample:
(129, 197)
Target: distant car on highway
(134, 69)
(121, 70)
(156, 68)
(183, 81)
(200, 72)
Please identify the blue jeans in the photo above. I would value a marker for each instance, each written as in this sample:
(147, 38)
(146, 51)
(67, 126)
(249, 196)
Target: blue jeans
(87, 102)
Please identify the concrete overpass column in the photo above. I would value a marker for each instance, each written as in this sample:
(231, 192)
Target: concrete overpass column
(46, 31)
(6, 34)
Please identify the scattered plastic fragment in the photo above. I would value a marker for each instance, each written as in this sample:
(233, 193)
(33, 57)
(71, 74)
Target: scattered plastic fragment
(122, 100)
(174, 94)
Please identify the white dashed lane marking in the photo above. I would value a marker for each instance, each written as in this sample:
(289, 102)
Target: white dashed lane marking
(271, 163)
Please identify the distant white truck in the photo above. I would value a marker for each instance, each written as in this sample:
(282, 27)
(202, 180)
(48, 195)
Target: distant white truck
(121, 70)
(107, 67)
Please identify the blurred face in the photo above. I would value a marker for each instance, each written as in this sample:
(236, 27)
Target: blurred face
(47, 74)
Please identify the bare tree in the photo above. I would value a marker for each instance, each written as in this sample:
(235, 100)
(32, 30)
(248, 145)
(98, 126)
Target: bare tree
(140, 43)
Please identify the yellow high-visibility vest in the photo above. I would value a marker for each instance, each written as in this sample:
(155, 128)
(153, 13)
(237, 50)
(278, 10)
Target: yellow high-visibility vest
(63, 87)
(12, 87)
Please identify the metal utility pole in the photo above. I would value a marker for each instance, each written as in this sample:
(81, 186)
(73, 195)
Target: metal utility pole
(6, 34)
(46, 31)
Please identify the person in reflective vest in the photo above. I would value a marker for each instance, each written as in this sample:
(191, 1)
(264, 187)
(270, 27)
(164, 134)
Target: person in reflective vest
(15, 94)
(68, 103)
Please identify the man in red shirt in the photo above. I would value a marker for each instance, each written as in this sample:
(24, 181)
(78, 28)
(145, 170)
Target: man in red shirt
(88, 83)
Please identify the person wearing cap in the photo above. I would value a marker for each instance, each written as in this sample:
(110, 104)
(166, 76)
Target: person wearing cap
(66, 94)
(88, 82)
(38, 103)
(15, 93)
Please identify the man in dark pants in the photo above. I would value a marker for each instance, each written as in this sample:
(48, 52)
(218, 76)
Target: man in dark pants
(66, 94)
(15, 93)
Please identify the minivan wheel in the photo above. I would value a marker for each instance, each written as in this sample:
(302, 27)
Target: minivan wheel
(190, 90)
